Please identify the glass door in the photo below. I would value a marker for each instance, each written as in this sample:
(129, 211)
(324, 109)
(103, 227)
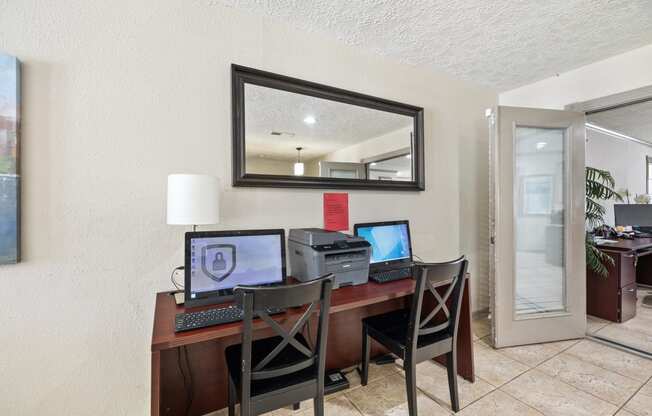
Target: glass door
(538, 291)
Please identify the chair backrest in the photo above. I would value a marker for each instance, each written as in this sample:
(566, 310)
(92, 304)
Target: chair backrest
(255, 301)
(428, 277)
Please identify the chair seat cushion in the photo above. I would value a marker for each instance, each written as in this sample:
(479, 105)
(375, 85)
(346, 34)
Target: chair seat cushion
(287, 357)
(393, 326)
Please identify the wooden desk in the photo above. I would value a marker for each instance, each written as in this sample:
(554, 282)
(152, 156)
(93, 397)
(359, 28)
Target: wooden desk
(614, 297)
(628, 245)
(204, 348)
(641, 248)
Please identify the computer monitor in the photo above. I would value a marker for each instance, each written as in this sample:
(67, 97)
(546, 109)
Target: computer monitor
(217, 261)
(638, 216)
(390, 243)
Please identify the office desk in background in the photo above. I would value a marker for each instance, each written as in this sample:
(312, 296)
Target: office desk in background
(205, 346)
(614, 297)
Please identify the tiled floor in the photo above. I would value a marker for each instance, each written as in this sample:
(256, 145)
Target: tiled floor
(539, 287)
(636, 333)
(565, 378)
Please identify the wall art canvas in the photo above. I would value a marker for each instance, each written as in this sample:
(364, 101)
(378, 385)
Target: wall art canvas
(9, 159)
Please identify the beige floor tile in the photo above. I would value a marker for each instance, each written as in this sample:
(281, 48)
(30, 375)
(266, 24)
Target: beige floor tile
(641, 323)
(433, 380)
(594, 324)
(375, 372)
(337, 406)
(626, 336)
(387, 397)
(605, 384)
(564, 345)
(553, 397)
(495, 368)
(613, 359)
(641, 403)
(306, 406)
(288, 411)
(643, 311)
(481, 328)
(498, 403)
(485, 341)
(531, 355)
(624, 412)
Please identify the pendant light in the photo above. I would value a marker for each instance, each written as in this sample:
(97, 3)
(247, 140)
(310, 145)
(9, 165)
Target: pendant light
(299, 166)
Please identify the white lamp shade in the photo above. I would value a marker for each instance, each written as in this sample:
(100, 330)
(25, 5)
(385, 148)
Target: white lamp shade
(298, 169)
(193, 199)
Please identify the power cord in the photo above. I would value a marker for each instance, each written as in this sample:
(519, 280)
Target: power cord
(179, 286)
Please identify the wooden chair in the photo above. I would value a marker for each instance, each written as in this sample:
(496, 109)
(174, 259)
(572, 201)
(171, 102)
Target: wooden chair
(415, 338)
(283, 370)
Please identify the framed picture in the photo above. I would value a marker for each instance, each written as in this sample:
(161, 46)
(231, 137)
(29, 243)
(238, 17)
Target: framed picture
(536, 195)
(9, 159)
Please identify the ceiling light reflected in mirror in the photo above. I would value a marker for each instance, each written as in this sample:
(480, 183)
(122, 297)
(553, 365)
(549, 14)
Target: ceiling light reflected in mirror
(347, 141)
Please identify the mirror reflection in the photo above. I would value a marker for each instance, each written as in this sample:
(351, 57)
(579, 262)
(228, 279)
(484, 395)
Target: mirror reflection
(299, 135)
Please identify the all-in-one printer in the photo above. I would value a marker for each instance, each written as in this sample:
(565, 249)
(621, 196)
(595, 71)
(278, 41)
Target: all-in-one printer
(315, 252)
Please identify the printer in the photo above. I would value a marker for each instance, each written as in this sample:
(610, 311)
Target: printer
(315, 252)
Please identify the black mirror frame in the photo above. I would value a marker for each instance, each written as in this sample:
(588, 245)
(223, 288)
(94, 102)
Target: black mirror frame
(241, 75)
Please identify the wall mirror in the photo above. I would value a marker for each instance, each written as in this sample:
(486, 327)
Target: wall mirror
(293, 133)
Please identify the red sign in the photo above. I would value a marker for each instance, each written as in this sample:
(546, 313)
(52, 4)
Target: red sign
(336, 211)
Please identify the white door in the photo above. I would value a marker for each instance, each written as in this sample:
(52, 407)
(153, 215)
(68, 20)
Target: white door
(346, 170)
(537, 273)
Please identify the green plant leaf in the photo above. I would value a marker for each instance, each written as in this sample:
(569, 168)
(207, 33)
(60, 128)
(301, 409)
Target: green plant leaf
(599, 187)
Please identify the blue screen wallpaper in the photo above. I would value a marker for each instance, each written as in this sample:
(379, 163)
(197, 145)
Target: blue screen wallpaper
(388, 242)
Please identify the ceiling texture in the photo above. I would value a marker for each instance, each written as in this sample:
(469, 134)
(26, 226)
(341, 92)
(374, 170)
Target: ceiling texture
(633, 120)
(502, 44)
(336, 125)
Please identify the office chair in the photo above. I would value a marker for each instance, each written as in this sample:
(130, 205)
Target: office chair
(285, 369)
(415, 338)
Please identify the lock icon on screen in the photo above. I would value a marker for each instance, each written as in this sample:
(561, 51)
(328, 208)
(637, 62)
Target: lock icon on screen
(219, 263)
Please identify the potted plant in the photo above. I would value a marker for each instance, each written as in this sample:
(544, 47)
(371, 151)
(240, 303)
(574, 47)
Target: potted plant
(599, 187)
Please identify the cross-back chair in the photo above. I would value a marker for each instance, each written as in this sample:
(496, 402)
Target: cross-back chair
(416, 335)
(270, 373)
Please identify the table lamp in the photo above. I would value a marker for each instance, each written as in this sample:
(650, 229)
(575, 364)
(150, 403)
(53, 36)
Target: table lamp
(193, 200)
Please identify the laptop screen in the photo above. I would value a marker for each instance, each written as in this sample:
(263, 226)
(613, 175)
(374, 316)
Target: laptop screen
(216, 262)
(389, 241)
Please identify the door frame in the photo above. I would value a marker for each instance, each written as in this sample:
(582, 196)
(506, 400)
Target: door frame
(507, 328)
(613, 101)
(598, 105)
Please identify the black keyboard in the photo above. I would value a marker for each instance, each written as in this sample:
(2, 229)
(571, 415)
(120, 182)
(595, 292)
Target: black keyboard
(391, 275)
(210, 317)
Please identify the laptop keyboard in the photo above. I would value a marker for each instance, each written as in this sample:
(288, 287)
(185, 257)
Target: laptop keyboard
(391, 275)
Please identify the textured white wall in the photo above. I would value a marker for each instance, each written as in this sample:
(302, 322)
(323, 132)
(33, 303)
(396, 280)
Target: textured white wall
(621, 73)
(117, 94)
(268, 166)
(624, 159)
(389, 142)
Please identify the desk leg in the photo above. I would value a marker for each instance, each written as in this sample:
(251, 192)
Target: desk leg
(156, 383)
(465, 367)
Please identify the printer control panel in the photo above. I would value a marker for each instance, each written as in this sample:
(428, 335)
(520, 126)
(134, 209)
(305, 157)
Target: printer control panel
(341, 245)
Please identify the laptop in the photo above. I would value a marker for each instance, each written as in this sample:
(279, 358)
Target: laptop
(391, 249)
